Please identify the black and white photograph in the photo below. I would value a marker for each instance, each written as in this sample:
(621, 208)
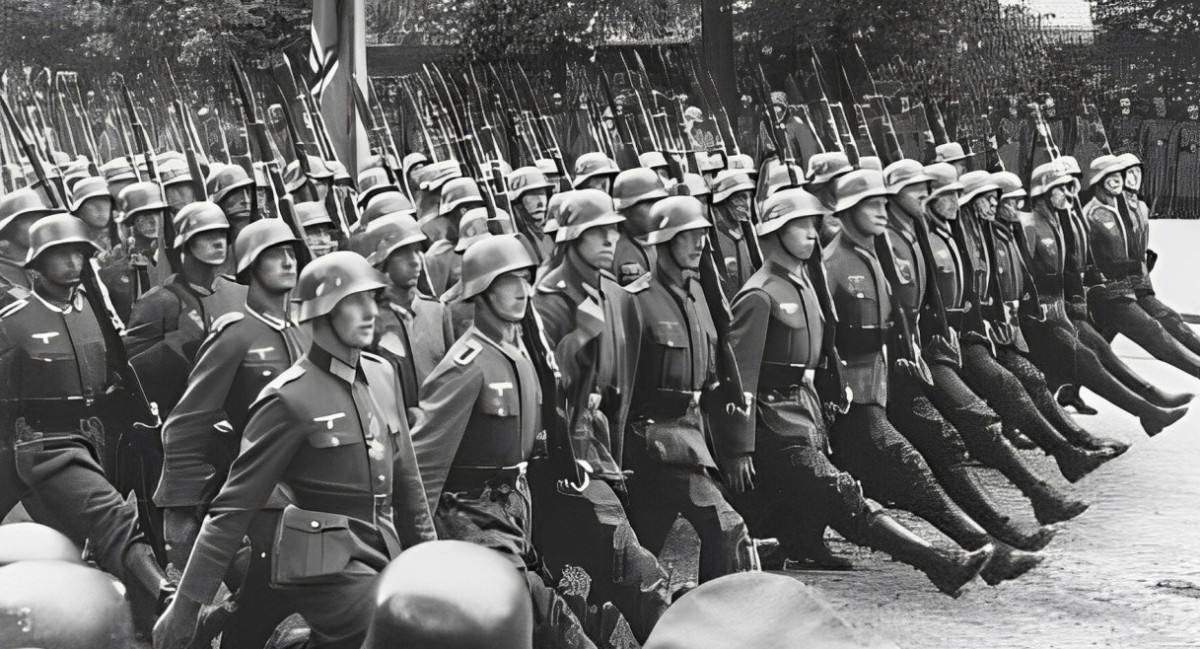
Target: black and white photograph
(599, 324)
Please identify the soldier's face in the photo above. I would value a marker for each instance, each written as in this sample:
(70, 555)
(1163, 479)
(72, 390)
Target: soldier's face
(275, 268)
(146, 224)
(945, 206)
(403, 266)
(912, 198)
(535, 205)
(237, 204)
(687, 248)
(1008, 209)
(1059, 198)
(320, 240)
(597, 246)
(62, 265)
(739, 204)
(869, 217)
(1114, 184)
(603, 183)
(353, 319)
(96, 212)
(210, 248)
(1133, 179)
(509, 295)
(799, 237)
(985, 206)
(179, 194)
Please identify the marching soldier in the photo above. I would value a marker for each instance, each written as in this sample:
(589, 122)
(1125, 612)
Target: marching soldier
(732, 202)
(92, 203)
(667, 442)
(19, 210)
(595, 171)
(778, 335)
(56, 397)
(634, 192)
(320, 234)
(444, 265)
(139, 263)
(330, 430)
(1063, 341)
(587, 321)
(480, 427)
(231, 188)
(246, 350)
(414, 330)
(169, 322)
(529, 194)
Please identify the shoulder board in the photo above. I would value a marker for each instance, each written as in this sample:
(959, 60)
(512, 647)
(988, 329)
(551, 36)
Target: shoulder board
(471, 349)
(224, 321)
(427, 298)
(638, 285)
(13, 308)
(374, 358)
(287, 376)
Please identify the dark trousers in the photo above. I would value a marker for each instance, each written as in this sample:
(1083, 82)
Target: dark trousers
(62, 486)
(1007, 396)
(1170, 320)
(499, 518)
(1127, 317)
(1058, 349)
(259, 607)
(338, 611)
(659, 493)
(1034, 382)
(867, 446)
(591, 532)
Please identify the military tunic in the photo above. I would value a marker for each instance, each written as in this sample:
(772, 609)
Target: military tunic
(54, 375)
(333, 435)
(414, 338)
(631, 259)
(667, 441)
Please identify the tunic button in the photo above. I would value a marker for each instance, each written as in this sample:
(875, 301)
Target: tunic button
(315, 524)
(381, 477)
(858, 295)
(335, 441)
(500, 412)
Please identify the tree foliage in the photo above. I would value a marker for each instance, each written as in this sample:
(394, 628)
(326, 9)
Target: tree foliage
(1154, 45)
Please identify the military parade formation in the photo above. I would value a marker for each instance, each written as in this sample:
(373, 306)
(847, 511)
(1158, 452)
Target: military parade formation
(249, 385)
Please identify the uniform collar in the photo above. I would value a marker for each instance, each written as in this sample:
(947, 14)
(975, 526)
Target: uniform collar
(278, 324)
(75, 304)
(323, 359)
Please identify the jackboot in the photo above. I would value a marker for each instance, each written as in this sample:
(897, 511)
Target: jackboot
(1162, 419)
(1075, 463)
(1008, 563)
(1068, 397)
(1049, 504)
(147, 587)
(949, 571)
(964, 486)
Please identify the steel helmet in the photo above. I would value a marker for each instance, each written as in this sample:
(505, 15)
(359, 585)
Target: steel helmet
(257, 237)
(490, 258)
(902, 173)
(86, 188)
(590, 165)
(24, 203)
(327, 279)
(695, 185)
(710, 161)
(784, 176)
(729, 182)
(858, 186)
(34, 542)
(943, 178)
(386, 203)
(870, 162)
(553, 209)
(950, 152)
(743, 162)
(1049, 175)
(431, 177)
(824, 167)
(634, 186)
(976, 184)
(372, 182)
(787, 205)
(474, 226)
(62, 605)
(57, 230)
(117, 170)
(547, 166)
(393, 232)
(526, 179)
(652, 160)
(1071, 164)
(451, 594)
(1104, 165)
(174, 171)
(140, 197)
(194, 218)
(1009, 184)
(457, 192)
(312, 213)
(293, 177)
(226, 180)
(675, 214)
(582, 210)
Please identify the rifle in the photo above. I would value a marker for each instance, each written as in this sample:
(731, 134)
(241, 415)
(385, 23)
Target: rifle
(191, 144)
(627, 157)
(143, 143)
